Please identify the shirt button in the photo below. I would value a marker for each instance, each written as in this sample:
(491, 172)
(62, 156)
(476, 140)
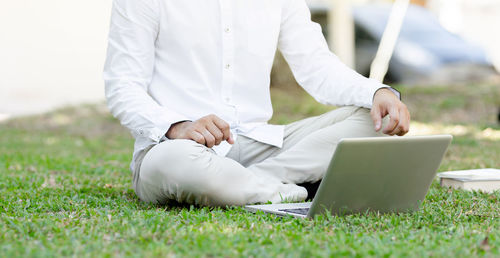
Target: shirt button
(227, 99)
(228, 66)
(227, 30)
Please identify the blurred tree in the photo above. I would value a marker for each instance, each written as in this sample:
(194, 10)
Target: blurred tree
(341, 31)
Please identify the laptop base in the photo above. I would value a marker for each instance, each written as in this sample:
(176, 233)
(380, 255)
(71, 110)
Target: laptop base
(281, 209)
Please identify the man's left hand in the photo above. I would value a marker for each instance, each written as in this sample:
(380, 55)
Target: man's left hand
(385, 102)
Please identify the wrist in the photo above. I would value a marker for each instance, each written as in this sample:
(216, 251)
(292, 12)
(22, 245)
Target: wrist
(174, 129)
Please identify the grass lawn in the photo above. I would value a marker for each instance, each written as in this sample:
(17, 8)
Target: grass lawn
(65, 189)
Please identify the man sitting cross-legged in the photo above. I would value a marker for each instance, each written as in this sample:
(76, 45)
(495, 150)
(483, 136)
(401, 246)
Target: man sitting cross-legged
(190, 79)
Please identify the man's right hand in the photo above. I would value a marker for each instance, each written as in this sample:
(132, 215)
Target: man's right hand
(209, 131)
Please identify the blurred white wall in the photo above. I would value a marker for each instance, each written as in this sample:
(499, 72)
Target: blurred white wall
(51, 53)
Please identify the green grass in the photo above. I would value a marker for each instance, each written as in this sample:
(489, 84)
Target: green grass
(477, 104)
(65, 190)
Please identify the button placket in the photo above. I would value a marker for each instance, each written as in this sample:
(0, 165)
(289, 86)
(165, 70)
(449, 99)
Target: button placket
(227, 56)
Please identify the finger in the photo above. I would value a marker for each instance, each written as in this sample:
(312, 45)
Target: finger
(209, 138)
(393, 123)
(230, 140)
(376, 117)
(216, 132)
(396, 131)
(404, 122)
(223, 126)
(197, 137)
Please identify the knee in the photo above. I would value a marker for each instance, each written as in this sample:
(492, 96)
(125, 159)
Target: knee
(170, 158)
(353, 114)
(176, 151)
(180, 170)
(340, 114)
(363, 119)
(362, 112)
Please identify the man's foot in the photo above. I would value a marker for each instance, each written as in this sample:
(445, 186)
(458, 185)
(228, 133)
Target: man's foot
(290, 193)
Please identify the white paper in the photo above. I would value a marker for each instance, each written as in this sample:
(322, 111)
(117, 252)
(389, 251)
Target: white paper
(486, 174)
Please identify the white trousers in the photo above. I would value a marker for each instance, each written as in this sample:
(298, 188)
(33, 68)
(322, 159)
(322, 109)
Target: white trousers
(252, 172)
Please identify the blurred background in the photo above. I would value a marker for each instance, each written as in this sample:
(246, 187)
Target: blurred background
(440, 41)
(52, 52)
(65, 181)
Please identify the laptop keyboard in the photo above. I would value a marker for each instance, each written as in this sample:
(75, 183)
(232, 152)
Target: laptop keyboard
(301, 211)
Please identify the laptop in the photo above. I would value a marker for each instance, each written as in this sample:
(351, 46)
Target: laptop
(381, 174)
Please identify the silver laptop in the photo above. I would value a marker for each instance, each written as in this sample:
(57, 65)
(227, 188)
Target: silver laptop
(382, 174)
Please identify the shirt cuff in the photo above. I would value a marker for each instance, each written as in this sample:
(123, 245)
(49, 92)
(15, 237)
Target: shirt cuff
(161, 126)
(396, 92)
(374, 86)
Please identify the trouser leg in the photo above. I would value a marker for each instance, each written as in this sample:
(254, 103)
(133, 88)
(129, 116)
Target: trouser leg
(251, 151)
(188, 172)
(311, 143)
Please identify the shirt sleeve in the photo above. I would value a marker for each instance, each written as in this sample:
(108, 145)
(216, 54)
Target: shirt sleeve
(315, 67)
(129, 69)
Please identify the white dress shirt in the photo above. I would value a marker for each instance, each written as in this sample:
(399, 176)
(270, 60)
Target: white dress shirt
(176, 60)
